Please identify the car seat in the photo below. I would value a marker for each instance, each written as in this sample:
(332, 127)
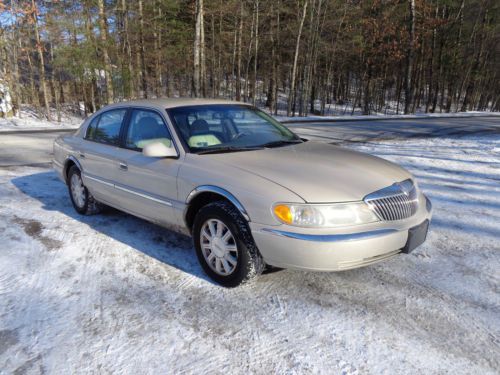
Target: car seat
(148, 130)
(201, 136)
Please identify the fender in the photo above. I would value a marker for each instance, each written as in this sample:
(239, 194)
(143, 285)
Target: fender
(74, 160)
(214, 189)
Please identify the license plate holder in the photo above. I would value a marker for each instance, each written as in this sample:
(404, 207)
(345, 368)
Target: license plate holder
(416, 237)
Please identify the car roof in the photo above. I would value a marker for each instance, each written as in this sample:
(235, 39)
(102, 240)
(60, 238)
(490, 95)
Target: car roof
(166, 103)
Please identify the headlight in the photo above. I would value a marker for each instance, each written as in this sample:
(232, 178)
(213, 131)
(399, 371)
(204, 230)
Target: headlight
(322, 215)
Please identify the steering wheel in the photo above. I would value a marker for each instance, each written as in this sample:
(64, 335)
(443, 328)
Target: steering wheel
(227, 129)
(239, 135)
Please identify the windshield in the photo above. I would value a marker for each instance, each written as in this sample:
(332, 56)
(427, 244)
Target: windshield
(229, 127)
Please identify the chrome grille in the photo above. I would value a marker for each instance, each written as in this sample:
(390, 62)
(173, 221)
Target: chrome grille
(396, 202)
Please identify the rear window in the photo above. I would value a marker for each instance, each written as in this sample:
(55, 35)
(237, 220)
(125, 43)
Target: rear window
(106, 127)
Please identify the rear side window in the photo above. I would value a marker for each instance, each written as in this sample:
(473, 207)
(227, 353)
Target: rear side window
(107, 127)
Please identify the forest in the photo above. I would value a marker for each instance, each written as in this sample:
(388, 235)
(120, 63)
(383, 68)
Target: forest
(292, 57)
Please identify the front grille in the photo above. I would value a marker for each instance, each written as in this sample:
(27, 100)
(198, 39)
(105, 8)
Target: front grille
(396, 202)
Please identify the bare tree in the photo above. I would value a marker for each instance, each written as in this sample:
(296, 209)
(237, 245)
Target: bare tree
(144, 78)
(39, 47)
(103, 30)
(410, 56)
(199, 52)
(238, 65)
(256, 5)
(291, 95)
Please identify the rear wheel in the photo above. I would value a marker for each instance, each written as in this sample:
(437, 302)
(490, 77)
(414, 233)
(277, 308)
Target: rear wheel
(83, 202)
(224, 245)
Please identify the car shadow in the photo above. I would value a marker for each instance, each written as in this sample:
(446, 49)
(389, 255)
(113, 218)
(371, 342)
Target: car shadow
(165, 246)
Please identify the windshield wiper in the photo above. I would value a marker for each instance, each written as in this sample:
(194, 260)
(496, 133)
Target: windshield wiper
(282, 142)
(220, 150)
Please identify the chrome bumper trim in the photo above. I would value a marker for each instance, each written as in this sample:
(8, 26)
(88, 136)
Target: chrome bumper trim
(331, 237)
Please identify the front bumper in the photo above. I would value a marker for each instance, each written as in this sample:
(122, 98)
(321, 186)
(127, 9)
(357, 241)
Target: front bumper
(286, 247)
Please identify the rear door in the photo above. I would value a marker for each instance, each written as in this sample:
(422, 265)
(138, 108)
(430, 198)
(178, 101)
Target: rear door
(147, 186)
(98, 154)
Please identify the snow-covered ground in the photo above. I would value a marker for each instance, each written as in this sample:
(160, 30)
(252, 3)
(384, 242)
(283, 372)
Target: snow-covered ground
(114, 294)
(31, 119)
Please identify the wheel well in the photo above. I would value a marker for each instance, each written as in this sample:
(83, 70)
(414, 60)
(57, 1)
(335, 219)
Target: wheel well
(69, 163)
(202, 199)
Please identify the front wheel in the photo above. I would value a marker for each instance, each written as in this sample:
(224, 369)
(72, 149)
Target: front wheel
(224, 245)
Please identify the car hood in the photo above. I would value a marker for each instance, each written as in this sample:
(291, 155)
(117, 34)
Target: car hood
(318, 172)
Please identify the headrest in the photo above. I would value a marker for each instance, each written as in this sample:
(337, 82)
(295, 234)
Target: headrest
(147, 127)
(200, 127)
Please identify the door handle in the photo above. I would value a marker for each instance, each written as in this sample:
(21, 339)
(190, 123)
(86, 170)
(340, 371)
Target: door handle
(123, 166)
(81, 154)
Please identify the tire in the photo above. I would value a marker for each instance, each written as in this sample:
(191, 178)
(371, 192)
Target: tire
(85, 204)
(243, 261)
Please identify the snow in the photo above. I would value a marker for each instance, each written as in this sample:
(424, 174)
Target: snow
(31, 119)
(112, 293)
(5, 99)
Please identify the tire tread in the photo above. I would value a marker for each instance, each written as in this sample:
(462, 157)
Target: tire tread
(255, 264)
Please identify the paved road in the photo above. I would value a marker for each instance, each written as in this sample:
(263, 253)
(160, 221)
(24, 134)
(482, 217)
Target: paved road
(23, 148)
(362, 131)
(27, 148)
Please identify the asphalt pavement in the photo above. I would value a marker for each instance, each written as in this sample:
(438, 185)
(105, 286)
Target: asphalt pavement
(27, 147)
(372, 130)
(35, 147)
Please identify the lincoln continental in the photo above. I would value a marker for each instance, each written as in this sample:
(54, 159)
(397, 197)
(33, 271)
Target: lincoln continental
(251, 193)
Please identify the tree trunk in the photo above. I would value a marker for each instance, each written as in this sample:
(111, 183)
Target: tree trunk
(142, 51)
(431, 86)
(238, 65)
(270, 91)
(473, 71)
(410, 56)
(199, 52)
(55, 89)
(233, 60)
(256, 51)
(291, 96)
(249, 58)
(103, 31)
(278, 63)
(39, 47)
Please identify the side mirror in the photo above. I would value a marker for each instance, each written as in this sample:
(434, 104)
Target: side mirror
(159, 150)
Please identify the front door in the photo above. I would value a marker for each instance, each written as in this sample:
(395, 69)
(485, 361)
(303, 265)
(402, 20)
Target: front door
(147, 185)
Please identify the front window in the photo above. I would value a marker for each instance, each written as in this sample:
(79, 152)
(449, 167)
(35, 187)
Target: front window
(214, 128)
(146, 127)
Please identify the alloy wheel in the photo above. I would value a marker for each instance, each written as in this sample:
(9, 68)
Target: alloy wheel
(77, 190)
(218, 247)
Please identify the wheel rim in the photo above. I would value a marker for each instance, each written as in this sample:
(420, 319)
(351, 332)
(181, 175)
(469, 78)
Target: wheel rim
(77, 190)
(218, 247)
